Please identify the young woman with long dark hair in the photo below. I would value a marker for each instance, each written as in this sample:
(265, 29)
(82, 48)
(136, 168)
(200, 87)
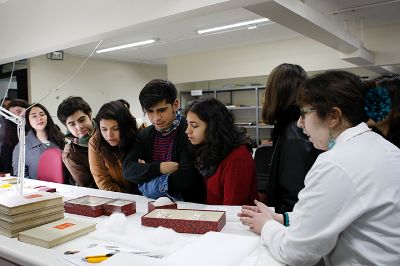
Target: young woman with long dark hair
(116, 133)
(42, 134)
(222, 153)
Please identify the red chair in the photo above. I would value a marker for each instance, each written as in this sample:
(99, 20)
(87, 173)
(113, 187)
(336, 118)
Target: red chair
(50, 166)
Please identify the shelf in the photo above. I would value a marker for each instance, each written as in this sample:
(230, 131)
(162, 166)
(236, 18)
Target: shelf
(266, 126)
(255, 126)
(242, 107)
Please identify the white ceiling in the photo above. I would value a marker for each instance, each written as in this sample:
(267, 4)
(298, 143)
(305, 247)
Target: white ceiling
(180, 37)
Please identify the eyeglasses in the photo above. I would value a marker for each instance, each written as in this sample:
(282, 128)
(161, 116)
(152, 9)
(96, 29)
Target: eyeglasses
(306, 110)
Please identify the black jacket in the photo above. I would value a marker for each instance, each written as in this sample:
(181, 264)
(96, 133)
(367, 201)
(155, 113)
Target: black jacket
(186, 180)
(292, 158)
(8, 140)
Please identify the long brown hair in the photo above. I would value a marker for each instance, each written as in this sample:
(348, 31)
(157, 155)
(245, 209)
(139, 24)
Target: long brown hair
(128, 131)
(281, 90)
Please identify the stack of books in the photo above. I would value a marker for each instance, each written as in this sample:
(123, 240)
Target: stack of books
(22, 212)
(55, 233)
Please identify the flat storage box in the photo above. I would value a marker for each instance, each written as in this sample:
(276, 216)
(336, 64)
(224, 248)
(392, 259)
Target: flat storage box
(151, 207)
(186, 220)
(87, 205)
(120, 206)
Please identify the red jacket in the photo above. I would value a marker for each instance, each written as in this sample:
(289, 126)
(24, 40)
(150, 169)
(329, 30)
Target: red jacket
(234, 182)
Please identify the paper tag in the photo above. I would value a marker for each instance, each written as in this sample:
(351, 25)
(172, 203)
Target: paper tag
(63, 226)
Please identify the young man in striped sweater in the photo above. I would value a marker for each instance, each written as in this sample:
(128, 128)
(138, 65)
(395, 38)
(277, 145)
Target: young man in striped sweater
(160, 163)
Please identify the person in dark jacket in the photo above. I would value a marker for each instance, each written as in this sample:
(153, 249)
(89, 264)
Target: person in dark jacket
(160, 163)
(293, 153)
(9, 135)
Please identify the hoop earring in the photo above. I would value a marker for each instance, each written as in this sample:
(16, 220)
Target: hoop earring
(331, 140)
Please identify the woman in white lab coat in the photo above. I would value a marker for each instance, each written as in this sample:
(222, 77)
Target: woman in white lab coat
(349, 210)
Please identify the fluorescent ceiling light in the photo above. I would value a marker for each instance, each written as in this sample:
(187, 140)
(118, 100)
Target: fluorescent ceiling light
(129, 45)
(235, 25)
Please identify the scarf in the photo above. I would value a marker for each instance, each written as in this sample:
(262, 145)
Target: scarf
(173, 126)
(84, 141)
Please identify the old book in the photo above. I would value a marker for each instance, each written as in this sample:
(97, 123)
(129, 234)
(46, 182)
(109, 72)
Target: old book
(28, 202)
(12, 229)
(32, 222)
(55, 233)
(31, 214)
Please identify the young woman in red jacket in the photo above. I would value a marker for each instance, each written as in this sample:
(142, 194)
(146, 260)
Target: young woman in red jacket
(223, 153)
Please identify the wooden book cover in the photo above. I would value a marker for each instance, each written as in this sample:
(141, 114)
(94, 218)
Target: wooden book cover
(31, 214)
(55, 233)
(28, 202)
(7, 231)
(33, 222)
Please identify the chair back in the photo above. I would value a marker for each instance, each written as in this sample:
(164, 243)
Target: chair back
(50, 167)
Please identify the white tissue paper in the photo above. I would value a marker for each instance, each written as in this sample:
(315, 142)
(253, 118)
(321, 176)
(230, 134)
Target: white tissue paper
(214, 248)
(162, 241)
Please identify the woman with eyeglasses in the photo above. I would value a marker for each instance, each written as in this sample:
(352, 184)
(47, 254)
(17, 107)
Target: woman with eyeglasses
(348, 212)
(293, 154)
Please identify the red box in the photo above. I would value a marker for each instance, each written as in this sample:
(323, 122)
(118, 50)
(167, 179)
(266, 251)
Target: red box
(87, 205)
(3, 174)
(120, 206)
(186, 220)
(151, 207)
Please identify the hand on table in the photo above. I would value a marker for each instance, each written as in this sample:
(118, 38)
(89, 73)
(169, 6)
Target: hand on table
(256, 216)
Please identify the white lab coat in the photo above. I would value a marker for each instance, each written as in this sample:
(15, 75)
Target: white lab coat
(349, 209)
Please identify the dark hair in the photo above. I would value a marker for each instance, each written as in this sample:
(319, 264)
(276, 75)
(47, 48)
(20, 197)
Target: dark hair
(336, 89)
(18, 103)
(71, 105)
(124, 102)
(128, 130)
(392, 84)
(5, 99)
(281, 90)
(53, 132)
(221, 135)
(156, 91)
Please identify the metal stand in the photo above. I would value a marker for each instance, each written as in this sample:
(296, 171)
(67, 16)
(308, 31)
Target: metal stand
(20, 121)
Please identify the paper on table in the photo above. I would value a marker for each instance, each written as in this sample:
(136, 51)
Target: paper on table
(123, 258)
(214, 248)
(98, 249)
(159, 240)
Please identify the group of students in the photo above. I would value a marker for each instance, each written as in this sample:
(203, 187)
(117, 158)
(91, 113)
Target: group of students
(334, 182)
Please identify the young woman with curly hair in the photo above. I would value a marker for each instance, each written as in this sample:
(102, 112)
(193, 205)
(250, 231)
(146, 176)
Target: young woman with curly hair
(116, 133)
(222, 152)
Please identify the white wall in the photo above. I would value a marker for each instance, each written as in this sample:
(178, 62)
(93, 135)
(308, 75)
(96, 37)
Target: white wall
(98, 82)
(260, 59)
(253, 60)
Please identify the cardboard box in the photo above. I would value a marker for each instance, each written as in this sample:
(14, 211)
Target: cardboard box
(151, 207)
(87, 205)
(186, 220)
(120, 206)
